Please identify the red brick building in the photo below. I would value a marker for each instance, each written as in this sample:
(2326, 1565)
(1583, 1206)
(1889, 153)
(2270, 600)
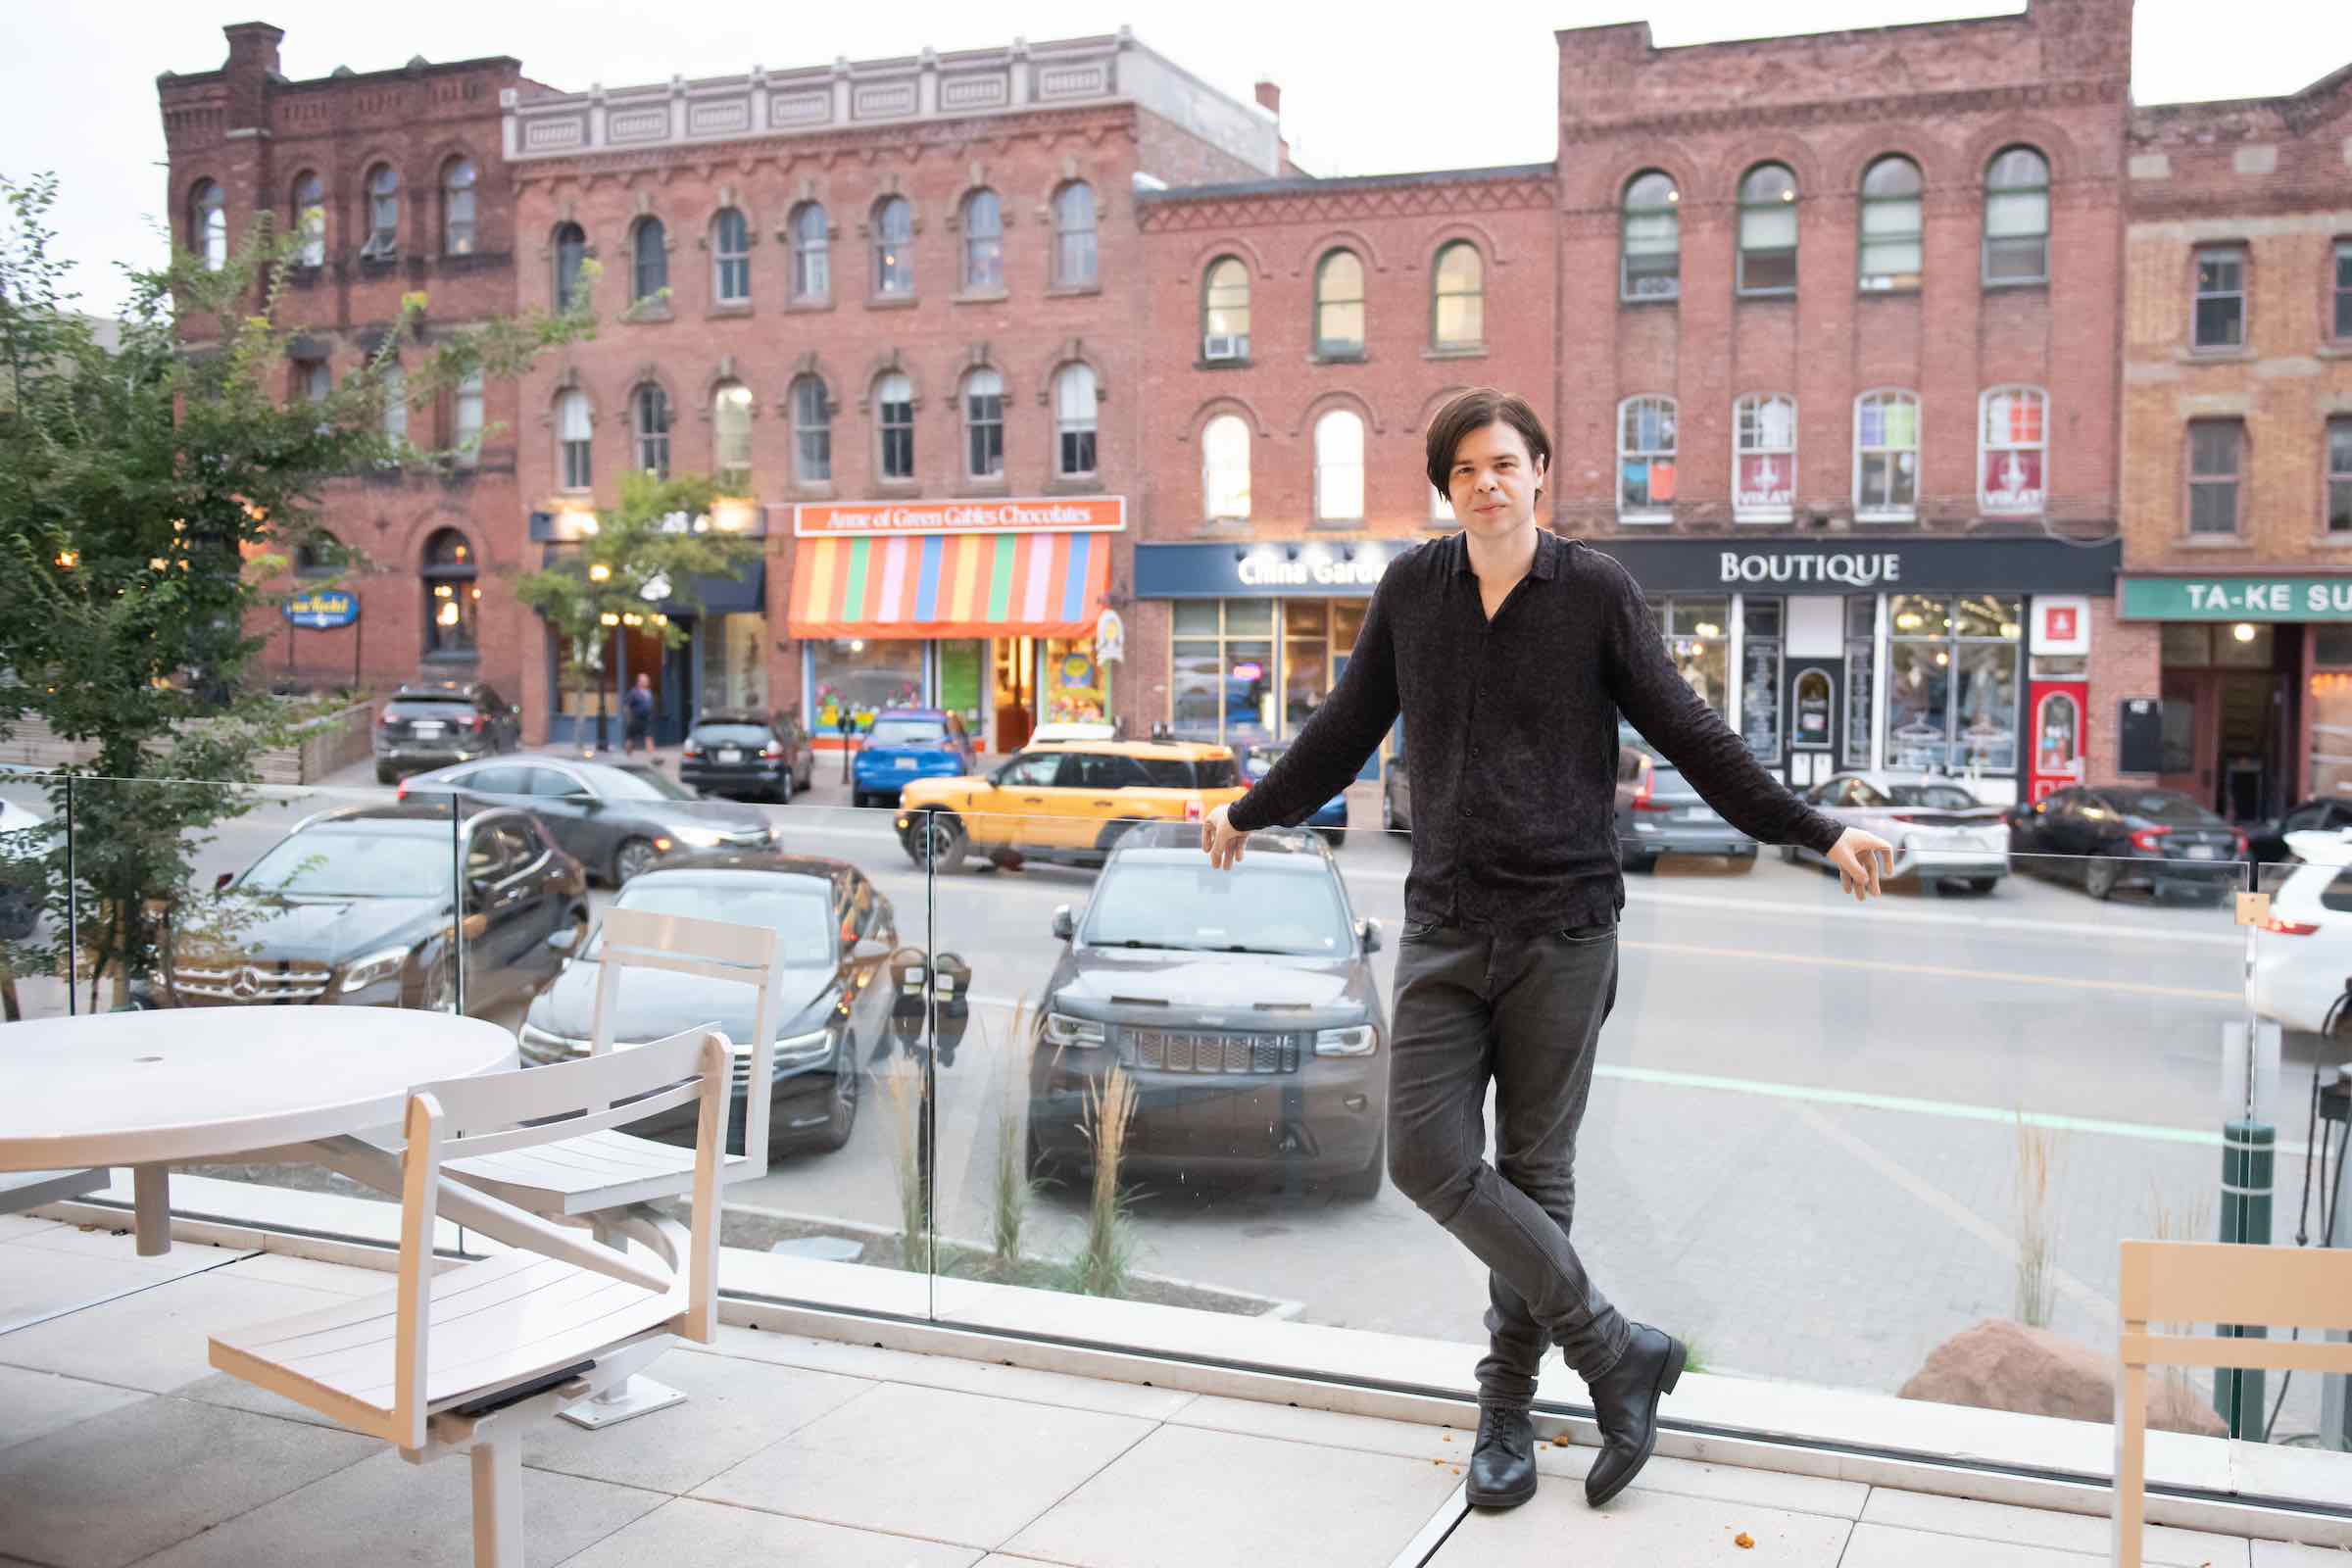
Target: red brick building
(2238, 446)
(895, 306)
(397, 181)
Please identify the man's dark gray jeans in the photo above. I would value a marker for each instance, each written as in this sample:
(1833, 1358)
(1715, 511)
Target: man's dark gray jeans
(1526, 1010)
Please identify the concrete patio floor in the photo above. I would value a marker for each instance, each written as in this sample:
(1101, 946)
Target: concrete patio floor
(119, 1445)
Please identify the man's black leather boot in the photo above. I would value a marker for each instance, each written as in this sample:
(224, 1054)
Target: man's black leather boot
(1625, 1404)
(1502, 1463)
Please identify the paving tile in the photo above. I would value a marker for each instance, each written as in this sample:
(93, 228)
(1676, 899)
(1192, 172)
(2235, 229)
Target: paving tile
(1885, 1546)
(230, 1392)
(387, 1510)
(733, 1409)
(34, 1283)
(687, 1531)
(120, 1244)
(2003, 1522)
(2283, 1555)
(1641, 1530)
(154, 1340)
(132, 1481)
(1723, 1483)
(34, 1404)
(1187, 1495)
(931, 1462)
(1332, 1429)
(12, 1226)
(283, 1269)
(991, 1378)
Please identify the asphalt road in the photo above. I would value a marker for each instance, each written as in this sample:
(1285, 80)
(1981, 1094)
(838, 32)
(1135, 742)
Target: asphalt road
(1803, 1145)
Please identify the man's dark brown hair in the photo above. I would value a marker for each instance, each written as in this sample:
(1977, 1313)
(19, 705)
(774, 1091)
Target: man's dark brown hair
(1475, 409)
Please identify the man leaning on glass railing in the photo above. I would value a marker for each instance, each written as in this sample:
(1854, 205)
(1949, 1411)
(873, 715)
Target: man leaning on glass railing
(1510, 652)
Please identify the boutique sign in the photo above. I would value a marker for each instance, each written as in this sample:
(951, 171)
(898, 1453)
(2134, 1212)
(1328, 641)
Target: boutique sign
(2018, 564)
(1857, 569)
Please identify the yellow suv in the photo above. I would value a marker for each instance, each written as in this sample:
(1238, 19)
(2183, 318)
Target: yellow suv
(1065, 801)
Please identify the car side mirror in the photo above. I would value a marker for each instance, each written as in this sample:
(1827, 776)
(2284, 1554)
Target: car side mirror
(582, 798)
(1368, 932)
(1065, 923)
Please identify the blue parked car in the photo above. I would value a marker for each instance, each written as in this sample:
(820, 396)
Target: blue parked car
(1329, 819)
(909, 743)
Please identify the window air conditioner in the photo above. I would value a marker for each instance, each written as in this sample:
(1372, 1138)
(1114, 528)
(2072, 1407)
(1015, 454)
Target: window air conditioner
(1225, 346)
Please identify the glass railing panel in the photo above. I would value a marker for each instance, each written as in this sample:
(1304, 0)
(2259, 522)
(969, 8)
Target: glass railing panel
(33, 906)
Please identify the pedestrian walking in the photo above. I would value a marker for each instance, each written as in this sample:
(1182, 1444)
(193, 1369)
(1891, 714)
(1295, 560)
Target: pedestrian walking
(637, 715)
(1510, 652)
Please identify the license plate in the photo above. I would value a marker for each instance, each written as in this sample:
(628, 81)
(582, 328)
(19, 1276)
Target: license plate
(1700, 813)
(730, 753)
(905, 764)
(425, 727)
(2203, 851)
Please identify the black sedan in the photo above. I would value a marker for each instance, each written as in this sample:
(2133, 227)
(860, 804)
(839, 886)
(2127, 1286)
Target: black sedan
(1241, 1005)
(617, 821)
(2112, 837)
(430, 723)
(2266, 842)
(748, 754)
(838, 931)
(354, 907)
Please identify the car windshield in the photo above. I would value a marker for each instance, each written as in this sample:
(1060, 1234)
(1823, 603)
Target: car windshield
(637, 783)
(1936, 796)
(384, 860)
(1254, 908)
(2158, 807)
(731, 734)
(907, 732)
(449, 709)
(798, 909)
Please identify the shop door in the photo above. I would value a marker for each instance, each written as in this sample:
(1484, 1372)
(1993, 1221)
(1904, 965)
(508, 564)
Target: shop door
(1814, 715)
(1014, 707)
(2059, 708)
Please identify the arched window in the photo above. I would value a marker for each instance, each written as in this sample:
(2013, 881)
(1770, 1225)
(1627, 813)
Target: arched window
(457, 208)
(1458, 306)
(648, 260)
(1768, 232)
(812, 253)
(2016, 218)
(811, 431)
(730, 258)
(1339, 306)
(1074, 399)
(383, 214)
(465, 418)
(2013, 446)
(731, 436)
(1340, 467)
(984, 425)
(395, 384)
(208, 226)
(319, 554)
(1890, 246)
(1646, 454)
(1225, 310)
(1764, 468)
(1650, 244)
(894, 407)
(1225, 469)
(894, 246)
(309, 222)
(1074, 235)
(576, 439)
(1886, 456)
(649, 407)
(452, 595)
(572, 266)
(983, 241)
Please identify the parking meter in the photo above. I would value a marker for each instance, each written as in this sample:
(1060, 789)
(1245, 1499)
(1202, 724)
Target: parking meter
(910, 974)
(952, 990)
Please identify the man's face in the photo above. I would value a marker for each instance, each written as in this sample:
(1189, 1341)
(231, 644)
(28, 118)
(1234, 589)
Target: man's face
(1494, 481)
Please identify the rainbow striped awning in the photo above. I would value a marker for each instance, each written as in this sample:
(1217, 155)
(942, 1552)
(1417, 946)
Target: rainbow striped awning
(949, 586)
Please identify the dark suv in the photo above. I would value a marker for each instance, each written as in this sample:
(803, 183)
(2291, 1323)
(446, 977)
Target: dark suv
(433, 723)
(739, 753)
(1241, 1003)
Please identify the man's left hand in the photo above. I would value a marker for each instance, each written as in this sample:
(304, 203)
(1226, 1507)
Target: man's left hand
(1862, 860)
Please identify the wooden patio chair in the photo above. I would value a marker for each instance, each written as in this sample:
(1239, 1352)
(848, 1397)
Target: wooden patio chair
(20, 1189)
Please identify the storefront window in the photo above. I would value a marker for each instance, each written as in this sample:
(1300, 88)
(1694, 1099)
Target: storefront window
(1074, 692)
(861, 676)
(1306, 660)
(1221, 675)
(959, 665)
(1861, 662)
(2332, 712)
(735, 662)
(1953, 669)
(1698, 639)
(1760, 675)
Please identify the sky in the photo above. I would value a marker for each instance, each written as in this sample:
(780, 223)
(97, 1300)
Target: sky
(77, 92)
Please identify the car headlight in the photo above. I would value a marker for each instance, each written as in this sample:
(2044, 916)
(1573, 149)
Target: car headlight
(362, 973)
(701, 838)
(539, 1045)
(1061, 1029)
(799, 1050)
(1356, 1040)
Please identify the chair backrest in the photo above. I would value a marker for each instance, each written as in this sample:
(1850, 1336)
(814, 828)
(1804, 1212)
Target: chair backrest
(2219, 1282)
(523, 1107)
(716, 950)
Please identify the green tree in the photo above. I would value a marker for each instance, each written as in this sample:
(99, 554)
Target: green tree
(635, 558)
(150, 494)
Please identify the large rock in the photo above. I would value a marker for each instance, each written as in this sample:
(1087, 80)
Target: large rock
(2003, 1365)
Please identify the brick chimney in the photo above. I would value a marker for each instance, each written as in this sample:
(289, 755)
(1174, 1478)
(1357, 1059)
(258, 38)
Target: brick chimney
(1269, 98)
(252, 66)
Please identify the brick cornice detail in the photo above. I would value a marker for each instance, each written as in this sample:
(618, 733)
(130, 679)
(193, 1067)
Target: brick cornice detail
(1908, 108)
(1347, 206)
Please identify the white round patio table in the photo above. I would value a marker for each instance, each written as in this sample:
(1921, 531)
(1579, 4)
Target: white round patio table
(151, 1090)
